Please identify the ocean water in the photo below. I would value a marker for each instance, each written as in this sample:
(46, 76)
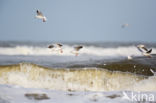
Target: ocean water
(100, 73)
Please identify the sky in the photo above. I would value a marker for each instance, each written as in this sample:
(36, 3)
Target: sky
(78, 20)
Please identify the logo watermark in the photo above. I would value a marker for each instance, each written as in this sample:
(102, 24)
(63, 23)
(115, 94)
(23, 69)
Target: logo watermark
(138, 96)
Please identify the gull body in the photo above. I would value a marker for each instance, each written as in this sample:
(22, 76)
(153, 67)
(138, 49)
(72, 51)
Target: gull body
(147, 54)
(41, 16)
(76, 50)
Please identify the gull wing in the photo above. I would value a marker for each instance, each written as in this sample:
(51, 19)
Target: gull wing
(39, 13)
(149, 51)
(51, 46)
(59, 45)
(77, 48)
(145, 49)
(140, 49)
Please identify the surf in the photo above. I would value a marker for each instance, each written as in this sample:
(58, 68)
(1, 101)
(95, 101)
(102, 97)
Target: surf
(73, 79)
(87, 50)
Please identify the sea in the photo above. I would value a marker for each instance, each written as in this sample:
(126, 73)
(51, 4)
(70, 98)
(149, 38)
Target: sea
(30, 72)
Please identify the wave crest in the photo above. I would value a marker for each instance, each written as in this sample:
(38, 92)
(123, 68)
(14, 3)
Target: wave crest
(84, 79)
(89, 50)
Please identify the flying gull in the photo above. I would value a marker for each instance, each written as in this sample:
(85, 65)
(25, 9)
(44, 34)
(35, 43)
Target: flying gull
(124, 25)
(144, 50)
(41, 16)
(76, 50)
(56, 47)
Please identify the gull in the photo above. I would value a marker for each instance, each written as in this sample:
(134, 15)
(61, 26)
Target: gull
(60, 47)
(124, 25)
(76, 50)
(41, 16)
(56, 47)
(144, 50)
(129, 57)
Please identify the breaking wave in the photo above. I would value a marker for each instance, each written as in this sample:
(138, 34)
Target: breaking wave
(90, 50)
(76, 79)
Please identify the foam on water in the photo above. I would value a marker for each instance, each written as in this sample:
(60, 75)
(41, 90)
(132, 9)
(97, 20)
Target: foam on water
(89, 50)
(82, 79)
(9, 94)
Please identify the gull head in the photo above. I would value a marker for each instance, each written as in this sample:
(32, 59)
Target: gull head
(140, 46)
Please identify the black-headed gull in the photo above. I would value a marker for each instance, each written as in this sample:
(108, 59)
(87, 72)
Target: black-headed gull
(76, 50)
(124, 25)
(144, 50)
(41, 16)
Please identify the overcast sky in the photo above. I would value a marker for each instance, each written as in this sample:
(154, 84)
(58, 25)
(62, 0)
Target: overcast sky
(78, 20)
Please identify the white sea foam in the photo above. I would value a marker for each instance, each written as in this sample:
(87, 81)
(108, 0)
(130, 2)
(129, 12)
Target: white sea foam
(9, 94)
(89, 50)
